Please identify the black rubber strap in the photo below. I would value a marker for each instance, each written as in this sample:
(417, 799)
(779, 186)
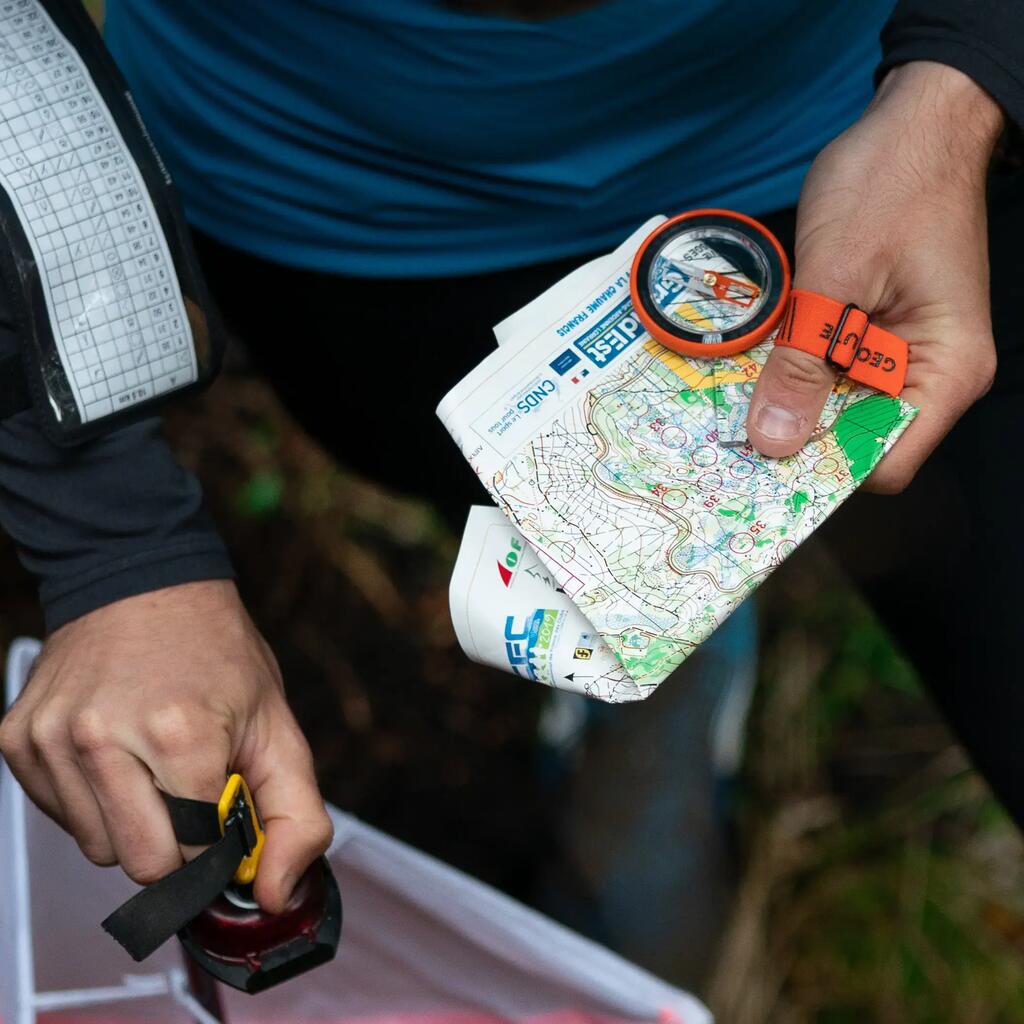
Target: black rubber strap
(153, 915)
(14, 392)
(194, 821)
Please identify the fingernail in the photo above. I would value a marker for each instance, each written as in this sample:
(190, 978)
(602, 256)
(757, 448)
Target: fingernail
(778, 423)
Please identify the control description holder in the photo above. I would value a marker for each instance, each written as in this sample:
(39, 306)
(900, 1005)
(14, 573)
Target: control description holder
(100, 282)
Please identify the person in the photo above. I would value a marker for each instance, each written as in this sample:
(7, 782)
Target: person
(374, 185)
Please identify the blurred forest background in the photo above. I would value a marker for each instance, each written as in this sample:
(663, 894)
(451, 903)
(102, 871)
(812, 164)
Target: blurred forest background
(875, 879)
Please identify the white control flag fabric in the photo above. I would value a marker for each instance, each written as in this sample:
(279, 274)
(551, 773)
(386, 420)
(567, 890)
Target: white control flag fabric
(422, 944)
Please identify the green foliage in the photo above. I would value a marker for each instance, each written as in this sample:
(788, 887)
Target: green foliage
(260, 497)
(901, 898)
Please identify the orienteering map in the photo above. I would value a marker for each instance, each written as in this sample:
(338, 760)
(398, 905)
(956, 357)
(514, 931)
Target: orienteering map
(604, 450)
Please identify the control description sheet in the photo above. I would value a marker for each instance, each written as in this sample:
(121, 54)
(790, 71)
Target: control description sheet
(115, 306)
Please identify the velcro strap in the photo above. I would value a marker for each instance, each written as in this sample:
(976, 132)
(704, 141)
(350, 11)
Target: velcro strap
(154, 914)
(845, 338)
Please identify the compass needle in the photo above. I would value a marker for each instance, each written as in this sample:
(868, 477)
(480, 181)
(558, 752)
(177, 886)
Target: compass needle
(710, 283)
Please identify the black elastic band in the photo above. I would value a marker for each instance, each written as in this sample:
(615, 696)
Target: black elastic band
(194, 821)
(153, 915)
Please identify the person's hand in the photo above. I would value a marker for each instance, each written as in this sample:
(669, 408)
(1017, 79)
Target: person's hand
(892, 217)
(168, 690)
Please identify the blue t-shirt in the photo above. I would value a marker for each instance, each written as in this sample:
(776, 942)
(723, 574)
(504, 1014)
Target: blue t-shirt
(401, 138)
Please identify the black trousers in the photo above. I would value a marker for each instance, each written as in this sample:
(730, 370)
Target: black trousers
(943, 563)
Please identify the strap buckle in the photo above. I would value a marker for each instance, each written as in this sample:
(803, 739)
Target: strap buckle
(846, 339)
(850, 342)
(236, 809)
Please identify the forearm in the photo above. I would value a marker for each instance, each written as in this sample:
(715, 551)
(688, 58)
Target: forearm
(114, 518)
(984, 39)
(105, 520)
(942, 113)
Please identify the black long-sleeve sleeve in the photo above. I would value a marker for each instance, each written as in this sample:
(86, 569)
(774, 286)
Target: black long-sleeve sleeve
(982, 38)
(105, 520)
(117, 516)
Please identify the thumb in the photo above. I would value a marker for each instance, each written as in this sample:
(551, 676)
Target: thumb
(297, 826)
(787, 401)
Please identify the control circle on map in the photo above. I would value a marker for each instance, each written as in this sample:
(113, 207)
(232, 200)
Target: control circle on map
(710, 283)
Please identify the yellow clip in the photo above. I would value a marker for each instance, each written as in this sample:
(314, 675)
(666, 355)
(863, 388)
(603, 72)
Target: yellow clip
(236, 798)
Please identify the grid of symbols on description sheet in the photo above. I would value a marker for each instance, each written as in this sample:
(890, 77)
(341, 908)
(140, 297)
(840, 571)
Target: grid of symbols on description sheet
(111, 291)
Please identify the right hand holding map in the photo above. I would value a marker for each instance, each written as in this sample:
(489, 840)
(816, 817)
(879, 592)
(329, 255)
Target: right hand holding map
(605, 451)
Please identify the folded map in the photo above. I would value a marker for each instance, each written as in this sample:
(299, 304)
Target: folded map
(605, 451)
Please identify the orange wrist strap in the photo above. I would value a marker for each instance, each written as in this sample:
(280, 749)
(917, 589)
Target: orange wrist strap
(846, 339)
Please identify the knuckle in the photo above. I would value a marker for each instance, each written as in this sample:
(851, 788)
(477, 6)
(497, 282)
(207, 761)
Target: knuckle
(145, 869)
(12, 738)
(800, 373)
(321, 833)
(46, 730)
(171, 731)
(90, 731)
(206, 779)
(98, 852)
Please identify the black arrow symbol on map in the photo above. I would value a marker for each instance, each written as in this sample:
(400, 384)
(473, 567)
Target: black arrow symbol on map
(572, 675)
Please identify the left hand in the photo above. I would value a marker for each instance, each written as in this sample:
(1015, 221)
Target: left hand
(892, 217)
(165, 691)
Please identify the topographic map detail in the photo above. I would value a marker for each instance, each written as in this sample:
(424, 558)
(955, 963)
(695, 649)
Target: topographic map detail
(626, 468)
(658, 531)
